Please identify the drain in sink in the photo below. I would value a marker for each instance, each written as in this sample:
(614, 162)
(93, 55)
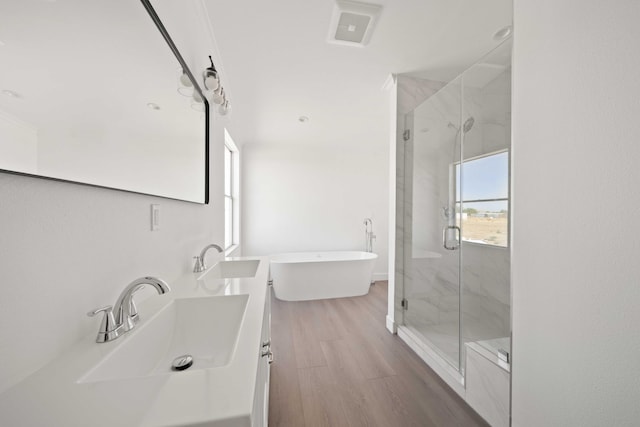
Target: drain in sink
(181, 363)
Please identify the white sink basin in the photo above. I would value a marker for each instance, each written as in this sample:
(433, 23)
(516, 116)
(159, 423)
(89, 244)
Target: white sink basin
(232, 269)
(205, 328)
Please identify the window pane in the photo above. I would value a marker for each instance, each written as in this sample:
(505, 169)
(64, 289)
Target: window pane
(485, 222)
(227, 171)
(485, 178)
(228, 222)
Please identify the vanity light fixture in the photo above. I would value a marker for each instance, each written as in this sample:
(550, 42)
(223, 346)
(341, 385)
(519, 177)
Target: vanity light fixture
(214, 90)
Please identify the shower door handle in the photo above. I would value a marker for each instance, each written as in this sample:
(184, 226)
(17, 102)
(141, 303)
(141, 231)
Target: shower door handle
(445, 232)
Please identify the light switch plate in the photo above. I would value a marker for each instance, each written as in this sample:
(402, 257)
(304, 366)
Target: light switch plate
(155, 217)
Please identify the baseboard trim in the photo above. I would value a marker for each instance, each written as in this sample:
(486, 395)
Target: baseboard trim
(391, 325)
(380, 276)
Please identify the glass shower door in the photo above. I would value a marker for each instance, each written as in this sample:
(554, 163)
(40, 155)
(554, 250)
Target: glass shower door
(432, 256)
(456, 257)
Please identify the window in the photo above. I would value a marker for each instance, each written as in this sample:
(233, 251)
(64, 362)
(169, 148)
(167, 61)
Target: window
(483, 202)
(231, 177)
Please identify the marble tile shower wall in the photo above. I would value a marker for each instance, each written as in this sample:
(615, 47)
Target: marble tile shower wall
(485, 298)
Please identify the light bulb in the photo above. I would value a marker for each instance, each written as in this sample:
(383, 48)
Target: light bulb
(211, 80)
(224, 109)
(218, 96)
(211, 83)
(185, 80)
(185, 87)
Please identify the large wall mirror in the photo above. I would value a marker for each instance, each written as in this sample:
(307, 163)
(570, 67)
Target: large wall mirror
(90, 95)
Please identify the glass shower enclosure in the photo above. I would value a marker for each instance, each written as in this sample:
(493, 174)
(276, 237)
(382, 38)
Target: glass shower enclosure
(456, 260)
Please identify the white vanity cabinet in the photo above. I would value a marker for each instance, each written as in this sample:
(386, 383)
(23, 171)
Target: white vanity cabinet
(260, 415)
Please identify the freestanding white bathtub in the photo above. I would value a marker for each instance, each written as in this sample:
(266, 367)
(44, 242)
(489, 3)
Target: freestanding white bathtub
(301, 276)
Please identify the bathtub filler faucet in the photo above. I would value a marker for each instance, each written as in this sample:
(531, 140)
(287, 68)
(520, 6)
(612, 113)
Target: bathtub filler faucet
(368, 233)
(126, 314)
(199, 265)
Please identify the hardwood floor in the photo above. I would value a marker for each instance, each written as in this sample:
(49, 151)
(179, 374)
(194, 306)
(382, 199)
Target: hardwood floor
(337, 365)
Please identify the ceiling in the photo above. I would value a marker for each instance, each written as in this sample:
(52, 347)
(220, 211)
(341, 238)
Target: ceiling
(277, 65)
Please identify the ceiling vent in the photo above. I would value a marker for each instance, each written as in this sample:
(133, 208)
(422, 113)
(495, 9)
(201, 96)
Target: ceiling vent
(352, 23)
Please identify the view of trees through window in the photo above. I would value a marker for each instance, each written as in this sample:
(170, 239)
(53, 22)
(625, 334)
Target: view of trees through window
(482, 199)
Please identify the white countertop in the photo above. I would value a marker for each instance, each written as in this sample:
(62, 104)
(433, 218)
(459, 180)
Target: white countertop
(221, 396)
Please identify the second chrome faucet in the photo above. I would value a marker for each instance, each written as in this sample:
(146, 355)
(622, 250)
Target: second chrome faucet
(199, 266)
(123, 317)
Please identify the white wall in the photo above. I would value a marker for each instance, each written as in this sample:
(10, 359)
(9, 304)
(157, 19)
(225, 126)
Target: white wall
(66, 249)
(18, 145)
(306, 198)
(576, 147)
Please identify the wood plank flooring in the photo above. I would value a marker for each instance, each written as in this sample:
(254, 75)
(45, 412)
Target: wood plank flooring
(337, 365)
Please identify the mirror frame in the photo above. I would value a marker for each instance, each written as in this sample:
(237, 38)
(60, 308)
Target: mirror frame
(156, 20)
(160, 26)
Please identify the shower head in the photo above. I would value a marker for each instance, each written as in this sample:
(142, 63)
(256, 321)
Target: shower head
(468, 124)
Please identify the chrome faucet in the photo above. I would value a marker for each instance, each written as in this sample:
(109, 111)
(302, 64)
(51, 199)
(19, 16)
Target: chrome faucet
(199, 265)
(126, 314)
(126, 311)
(368, 234)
